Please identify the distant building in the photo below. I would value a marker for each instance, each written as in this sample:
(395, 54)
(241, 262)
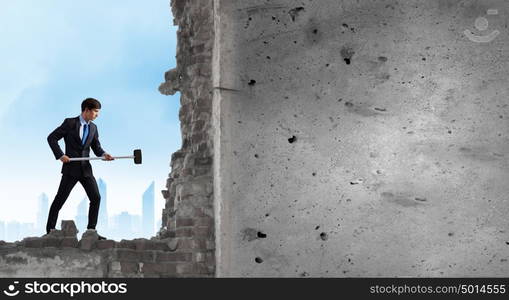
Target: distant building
(124, 222)
(125, 226)
(42, 214)
(148, 211)
(136, 230)
(102, 219)
(12, 231)
(82, 215)
(27, 229)
(2, 231)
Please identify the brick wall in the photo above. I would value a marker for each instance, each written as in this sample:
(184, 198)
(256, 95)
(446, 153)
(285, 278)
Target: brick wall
(188, 215)
(61, 254)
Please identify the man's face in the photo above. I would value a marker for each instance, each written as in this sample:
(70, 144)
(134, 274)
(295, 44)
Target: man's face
(91, 114)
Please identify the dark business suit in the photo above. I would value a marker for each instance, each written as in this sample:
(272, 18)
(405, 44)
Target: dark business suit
(75, 171)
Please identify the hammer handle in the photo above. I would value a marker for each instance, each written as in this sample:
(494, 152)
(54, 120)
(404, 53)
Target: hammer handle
(90, 158)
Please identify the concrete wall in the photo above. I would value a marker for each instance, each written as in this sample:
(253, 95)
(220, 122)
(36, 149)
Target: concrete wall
(360, 138)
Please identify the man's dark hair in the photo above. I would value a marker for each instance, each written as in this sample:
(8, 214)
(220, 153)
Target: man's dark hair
(90, 103)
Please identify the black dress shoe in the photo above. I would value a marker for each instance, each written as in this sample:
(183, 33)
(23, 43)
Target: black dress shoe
(93, 232)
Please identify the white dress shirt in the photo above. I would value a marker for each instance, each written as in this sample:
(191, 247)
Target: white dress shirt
(82, 127)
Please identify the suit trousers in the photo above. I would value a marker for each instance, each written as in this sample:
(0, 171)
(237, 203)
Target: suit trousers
(66, 185)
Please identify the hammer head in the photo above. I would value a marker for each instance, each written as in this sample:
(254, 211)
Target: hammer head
(137, 156)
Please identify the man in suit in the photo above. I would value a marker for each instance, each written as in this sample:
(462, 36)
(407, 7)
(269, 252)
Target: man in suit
(79, 134)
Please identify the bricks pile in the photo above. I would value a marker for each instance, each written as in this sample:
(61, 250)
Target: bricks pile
(168, 257)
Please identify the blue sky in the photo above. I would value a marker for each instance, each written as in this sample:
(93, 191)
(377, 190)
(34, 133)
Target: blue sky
(55, 53)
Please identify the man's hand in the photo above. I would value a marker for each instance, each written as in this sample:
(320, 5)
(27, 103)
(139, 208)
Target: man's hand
(108, 157)
(65, 159)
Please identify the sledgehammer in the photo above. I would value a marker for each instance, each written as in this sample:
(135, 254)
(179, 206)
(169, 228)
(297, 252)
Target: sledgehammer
(136, 155)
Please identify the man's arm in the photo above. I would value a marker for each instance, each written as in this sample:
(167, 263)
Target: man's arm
(96, 145)
(55, 136)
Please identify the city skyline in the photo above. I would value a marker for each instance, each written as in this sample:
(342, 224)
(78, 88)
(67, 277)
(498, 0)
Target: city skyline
(147, 210)
(123, 225)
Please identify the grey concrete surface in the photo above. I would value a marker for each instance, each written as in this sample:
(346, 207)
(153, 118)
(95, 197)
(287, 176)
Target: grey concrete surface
(51, 262)
(361, 138)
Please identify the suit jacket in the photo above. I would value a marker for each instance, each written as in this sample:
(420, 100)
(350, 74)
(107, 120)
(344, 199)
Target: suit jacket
(70, 131)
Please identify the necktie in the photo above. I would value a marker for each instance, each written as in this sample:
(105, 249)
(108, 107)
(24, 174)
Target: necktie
(85, 134)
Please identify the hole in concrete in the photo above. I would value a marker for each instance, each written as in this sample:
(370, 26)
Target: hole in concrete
(317, 227)
(315, 31)
(256, 155)
(261, 235)
(314, 173)
(294, 12)
(292, 139)
(268, 57)
(251, 82)
(259, 260)
(347, 53)
(382, 58)
(249, 234)
(324, 236)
